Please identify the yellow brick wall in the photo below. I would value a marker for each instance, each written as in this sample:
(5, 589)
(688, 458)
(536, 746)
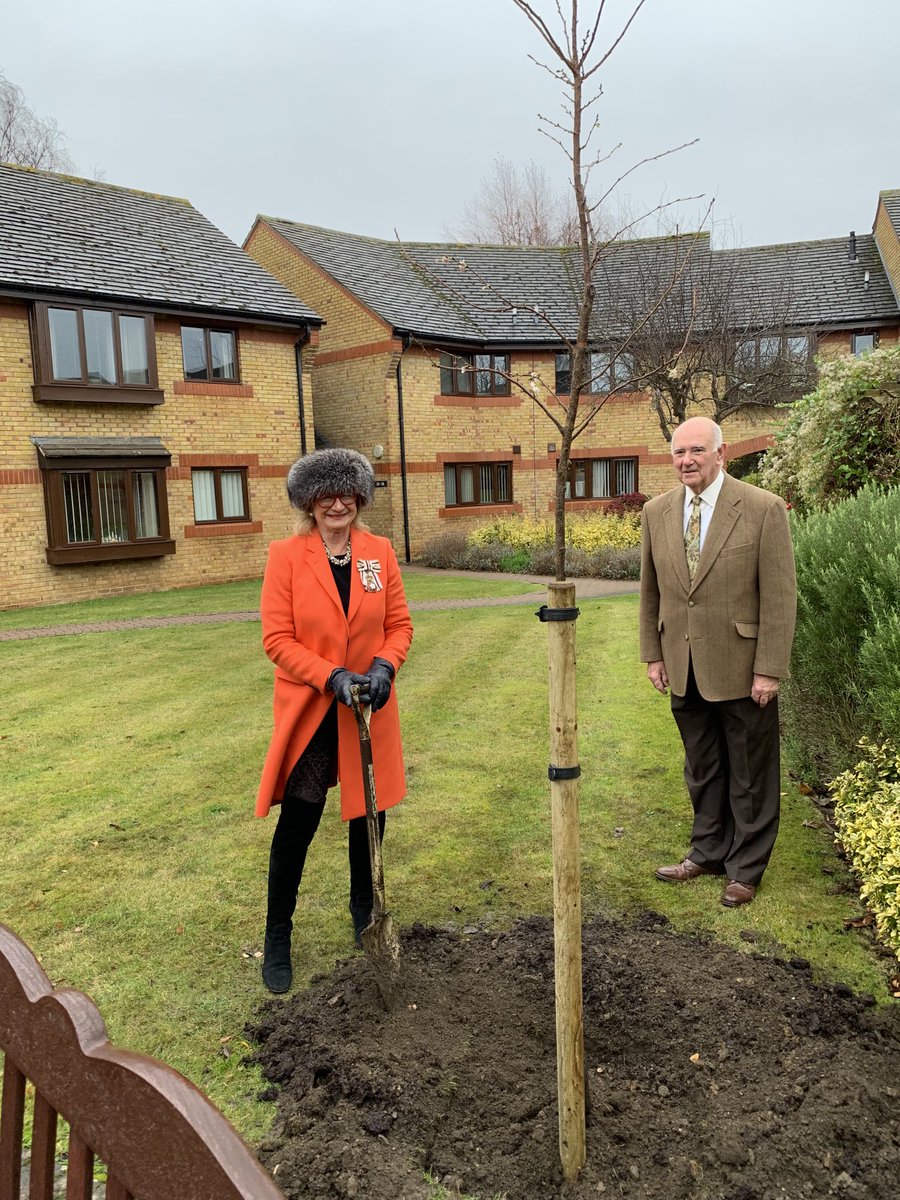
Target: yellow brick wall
(348, 323)
(888, 246)
(262, 430)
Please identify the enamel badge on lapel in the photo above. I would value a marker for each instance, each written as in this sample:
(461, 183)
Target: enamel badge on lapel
(370, 574)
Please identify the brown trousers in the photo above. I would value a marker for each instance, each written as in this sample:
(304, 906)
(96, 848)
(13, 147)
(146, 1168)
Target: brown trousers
(732, 768)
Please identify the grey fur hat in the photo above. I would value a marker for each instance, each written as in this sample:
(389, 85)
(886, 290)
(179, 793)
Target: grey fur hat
(330, 473)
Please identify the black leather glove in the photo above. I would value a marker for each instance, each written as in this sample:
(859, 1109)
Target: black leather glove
(341, 680)
(380, 673)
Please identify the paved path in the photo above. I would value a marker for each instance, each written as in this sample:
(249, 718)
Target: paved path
(535, 593)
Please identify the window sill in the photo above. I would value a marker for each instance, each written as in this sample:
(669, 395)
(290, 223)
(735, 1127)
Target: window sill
(212, 387)
(61, 556)
(65, 393)
(480, 510)
(479, 401)
(223, 529)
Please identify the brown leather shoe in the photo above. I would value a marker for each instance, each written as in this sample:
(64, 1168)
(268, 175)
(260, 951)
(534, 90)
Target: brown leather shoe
(736, 894)
(682, 872)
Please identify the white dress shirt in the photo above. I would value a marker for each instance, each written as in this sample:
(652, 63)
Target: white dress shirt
(708, 499)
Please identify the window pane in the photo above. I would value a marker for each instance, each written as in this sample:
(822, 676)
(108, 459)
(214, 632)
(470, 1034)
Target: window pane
(624, 368)
(193, 350)
(563, 375)
(863, 343)
(580, 473)
(501, 363)
(600, 478)
(503, 476)
(745, 355)
(484, 379)
(447, 375)
(98, 346)
(487, 484)
(625, 476)
(769, 350)
(133, 341)
(204, 483)
(113, 506)
(221, 350)
(232, 493)
(77, 502)
(464, 375)
(600, 365)
(467, 485)
(146, 510)
(449, 485)
(65, 356)
(798, 348)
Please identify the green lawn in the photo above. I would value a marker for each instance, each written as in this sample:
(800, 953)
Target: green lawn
(135, 869)
(238, 597)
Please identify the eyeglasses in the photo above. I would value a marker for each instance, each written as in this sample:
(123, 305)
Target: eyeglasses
(327, 501)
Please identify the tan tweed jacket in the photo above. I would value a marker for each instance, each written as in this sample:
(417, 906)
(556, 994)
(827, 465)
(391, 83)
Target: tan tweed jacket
(737, 619)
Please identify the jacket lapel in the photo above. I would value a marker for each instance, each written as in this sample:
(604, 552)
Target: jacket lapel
(674, 524)
(318, 564)
(725, 515)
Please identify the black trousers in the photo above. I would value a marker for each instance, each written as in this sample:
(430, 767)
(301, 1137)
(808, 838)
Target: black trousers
(298, 820)
(732, 768)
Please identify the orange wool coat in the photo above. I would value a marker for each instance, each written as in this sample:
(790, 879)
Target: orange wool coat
(306, 635)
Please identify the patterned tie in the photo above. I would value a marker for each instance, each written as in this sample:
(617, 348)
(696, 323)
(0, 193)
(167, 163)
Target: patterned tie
(692, 539)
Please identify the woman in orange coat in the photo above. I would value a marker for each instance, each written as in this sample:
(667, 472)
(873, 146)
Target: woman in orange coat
(334, 614)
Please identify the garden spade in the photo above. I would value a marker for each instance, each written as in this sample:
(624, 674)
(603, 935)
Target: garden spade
(378, 938)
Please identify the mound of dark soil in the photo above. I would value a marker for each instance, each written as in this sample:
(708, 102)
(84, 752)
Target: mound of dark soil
(711, 1074)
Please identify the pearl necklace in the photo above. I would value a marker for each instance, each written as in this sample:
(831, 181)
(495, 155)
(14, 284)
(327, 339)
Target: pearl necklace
(338, 560)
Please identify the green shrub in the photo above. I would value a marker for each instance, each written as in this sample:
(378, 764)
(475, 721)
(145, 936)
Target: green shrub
(842, 436)
(516, 562)
(845, 669)
(867, 815)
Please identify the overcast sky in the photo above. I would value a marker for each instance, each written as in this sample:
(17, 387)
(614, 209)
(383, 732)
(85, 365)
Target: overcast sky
(370, 117)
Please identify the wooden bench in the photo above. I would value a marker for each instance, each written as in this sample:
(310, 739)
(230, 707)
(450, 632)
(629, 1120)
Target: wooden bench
(159, 1137)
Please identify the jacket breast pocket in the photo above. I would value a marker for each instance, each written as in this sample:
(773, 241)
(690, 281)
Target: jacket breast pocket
(741, 548)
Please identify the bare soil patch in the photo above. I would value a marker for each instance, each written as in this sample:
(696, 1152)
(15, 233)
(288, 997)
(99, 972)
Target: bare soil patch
(712, 1074)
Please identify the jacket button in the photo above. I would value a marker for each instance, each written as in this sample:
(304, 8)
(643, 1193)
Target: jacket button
(690, 604)
(687, 637)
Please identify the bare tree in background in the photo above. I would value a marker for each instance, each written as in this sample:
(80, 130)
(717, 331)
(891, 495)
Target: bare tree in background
(516, 207)
(745, 349)
(27, 139)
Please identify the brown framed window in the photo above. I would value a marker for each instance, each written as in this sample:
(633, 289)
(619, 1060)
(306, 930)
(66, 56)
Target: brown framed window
(863, 343)
(474, 374)
(105, 498)
(790, 353)
(601, 478)
(477, 483)
(95, 354)
(209, 354)
(220, 494)
(606, 372)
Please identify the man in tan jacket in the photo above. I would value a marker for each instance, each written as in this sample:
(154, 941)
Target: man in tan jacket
(718, 602)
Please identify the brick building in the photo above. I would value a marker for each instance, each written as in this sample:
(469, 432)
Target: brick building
(412, 357)
(155, 385)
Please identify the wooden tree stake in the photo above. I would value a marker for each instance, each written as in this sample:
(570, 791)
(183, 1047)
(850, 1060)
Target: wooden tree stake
(566, 886)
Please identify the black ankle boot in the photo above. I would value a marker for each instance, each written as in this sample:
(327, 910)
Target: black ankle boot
(276, 966)
(362, 916)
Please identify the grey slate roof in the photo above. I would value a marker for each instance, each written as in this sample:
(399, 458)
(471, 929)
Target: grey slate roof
(419, 288)
(814, 281)
(81, 238)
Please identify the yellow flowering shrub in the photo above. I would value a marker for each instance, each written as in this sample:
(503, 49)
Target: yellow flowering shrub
(867, 817)
(584, 531)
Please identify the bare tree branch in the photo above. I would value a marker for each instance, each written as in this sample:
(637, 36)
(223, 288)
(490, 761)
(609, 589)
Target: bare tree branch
(27, 139)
